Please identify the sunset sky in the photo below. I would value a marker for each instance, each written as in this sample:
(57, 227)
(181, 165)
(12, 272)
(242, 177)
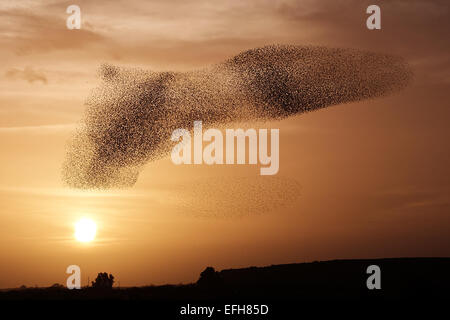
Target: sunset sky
(361, 180)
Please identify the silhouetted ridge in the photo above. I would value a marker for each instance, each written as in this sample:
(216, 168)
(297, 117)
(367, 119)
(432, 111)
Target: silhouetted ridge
(401, 278)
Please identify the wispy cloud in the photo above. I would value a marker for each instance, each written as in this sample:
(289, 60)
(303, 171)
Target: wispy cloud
(54, 128)
(28, 74)
(32, 31)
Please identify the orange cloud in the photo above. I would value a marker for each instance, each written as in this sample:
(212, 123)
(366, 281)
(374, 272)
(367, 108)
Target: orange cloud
(30, 32)
(27, 74)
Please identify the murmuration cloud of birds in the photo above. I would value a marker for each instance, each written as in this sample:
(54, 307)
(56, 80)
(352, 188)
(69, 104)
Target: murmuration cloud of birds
(130, 117)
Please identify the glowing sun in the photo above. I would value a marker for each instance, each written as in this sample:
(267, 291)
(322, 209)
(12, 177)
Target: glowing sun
(85, 230)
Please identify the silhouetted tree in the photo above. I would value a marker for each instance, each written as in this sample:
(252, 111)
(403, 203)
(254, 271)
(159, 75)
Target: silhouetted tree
(209, 277)
(103, 281)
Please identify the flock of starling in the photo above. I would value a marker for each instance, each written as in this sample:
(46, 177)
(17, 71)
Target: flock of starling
(130, 117)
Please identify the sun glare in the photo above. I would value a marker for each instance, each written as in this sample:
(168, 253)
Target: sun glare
(85, 230)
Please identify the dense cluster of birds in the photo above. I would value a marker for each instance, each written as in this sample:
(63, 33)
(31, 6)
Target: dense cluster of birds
(130, 117)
